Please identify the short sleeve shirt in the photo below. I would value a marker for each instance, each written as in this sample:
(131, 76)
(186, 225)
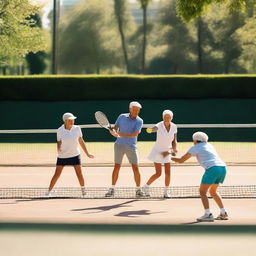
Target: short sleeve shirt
(206, 155)
(69, 141)
(164, 138)
(128, 125)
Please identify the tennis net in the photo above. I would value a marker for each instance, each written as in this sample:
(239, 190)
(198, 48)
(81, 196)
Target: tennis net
(235, 143)
(245, 191)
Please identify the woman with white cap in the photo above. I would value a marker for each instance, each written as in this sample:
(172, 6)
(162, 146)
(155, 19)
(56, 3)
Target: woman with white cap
(215, 172)
(69, 137)
(166, 142)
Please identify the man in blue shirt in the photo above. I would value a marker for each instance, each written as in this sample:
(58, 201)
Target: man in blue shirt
(126, 129)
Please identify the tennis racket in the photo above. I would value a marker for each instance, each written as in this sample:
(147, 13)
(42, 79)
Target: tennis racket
(102, 120)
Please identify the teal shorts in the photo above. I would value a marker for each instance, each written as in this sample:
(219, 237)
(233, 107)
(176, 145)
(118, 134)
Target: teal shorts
(214, 175)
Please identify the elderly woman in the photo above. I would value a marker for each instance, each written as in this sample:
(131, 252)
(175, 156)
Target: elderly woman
(69, 136)
(215, 172)
(166, 142)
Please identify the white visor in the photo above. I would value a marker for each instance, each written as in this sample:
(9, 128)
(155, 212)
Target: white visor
(69, 116)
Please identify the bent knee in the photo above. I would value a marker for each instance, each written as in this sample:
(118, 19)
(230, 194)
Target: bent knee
(202, 192)
(213, 192)
(158, 174)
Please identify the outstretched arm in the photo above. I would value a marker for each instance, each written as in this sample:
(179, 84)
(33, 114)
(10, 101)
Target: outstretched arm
(181, 159)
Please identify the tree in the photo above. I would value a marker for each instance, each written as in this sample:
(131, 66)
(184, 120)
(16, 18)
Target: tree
(245, 36)
(88, 39)
(36, 61)
(173, 43)
(144, 6)
(17, 36)
(222, 49)
(188, 10)
(120, 7)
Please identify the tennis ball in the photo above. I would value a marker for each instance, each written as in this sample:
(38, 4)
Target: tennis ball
(149, 130)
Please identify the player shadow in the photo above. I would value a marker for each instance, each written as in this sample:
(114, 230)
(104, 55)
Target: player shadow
(106, 207)
(9, 203)
(191, 223)
(136, 214)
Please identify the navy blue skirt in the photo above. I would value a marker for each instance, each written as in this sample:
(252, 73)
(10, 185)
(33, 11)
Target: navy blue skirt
(76, 160)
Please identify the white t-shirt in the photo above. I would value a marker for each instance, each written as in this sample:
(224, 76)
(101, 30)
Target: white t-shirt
(163, 143)
(206, 155)
(163, 137)
(69, 141)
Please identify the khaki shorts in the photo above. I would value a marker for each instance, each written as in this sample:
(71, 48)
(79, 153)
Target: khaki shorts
(131, 153)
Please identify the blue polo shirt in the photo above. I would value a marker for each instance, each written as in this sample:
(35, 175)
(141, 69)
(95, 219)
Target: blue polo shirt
(128, 125)
(206, 155)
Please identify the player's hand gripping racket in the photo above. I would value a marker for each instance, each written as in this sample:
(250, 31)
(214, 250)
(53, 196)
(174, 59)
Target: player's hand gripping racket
(102, 120)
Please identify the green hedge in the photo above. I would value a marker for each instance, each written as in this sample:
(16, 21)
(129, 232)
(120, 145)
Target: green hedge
(76, 88)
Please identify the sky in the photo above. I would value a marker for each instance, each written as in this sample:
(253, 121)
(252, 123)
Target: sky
(47, 7)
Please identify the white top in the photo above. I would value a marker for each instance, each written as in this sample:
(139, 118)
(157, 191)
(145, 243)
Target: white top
(163, 137)
(206, 155)
(163, 143)
(69, 141)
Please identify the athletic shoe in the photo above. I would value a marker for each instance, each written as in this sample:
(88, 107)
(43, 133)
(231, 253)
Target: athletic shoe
(167, 194)
(146, 190)
(140, 193)
(51, 193)
(222, 216)
(110, 192)
(83, 191)
(206, 218)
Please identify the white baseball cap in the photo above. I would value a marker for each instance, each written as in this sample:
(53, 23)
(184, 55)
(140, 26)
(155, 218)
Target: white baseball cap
(167, 112)
(69, 116)
(135, 104)
(200, 136)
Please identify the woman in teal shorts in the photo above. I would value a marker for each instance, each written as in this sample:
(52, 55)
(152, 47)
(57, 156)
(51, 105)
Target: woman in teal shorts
(215, 172)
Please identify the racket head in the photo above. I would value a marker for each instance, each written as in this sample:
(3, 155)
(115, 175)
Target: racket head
(102, 120)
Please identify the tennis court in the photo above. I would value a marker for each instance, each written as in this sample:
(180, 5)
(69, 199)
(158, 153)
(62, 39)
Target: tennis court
(155, 224)
(130, 210)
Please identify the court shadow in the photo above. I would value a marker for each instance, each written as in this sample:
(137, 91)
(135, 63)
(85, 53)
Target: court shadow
(9, 203)
(35, 199)
(191, 223)
(106, 207)
(135, 214)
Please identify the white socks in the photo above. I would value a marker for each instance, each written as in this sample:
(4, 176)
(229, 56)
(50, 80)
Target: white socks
(166, 189)
(222, 211)
(207, 211)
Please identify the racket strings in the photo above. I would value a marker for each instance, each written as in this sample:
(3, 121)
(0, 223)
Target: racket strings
(101, 119)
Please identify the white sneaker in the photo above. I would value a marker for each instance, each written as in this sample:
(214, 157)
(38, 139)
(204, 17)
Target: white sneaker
(140, 193)
(146, 190)
(167, 194)
(51, 193)
(222, 216)
(206, 218)
(110, 193)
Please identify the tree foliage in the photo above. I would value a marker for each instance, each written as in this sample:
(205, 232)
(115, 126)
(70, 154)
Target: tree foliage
(89, 40)
(188, 10)
(17, 35)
